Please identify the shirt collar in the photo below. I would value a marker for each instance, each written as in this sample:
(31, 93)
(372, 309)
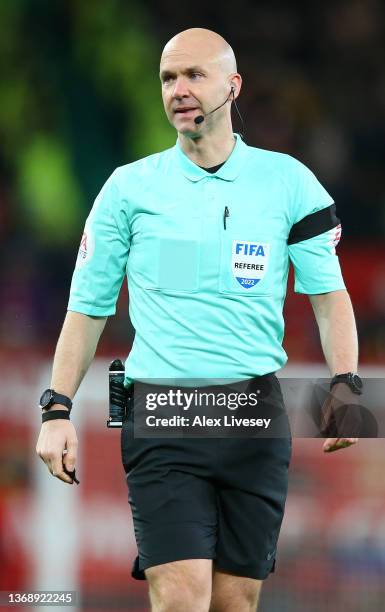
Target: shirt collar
(228, 172)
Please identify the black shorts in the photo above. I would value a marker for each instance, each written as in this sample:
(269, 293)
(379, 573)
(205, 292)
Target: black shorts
(211, 498)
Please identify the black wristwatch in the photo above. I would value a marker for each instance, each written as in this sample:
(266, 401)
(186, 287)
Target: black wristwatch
(352, 380)
(50, 397)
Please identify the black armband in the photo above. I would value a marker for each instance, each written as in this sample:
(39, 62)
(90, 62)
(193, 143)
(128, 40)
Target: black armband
(314, 224)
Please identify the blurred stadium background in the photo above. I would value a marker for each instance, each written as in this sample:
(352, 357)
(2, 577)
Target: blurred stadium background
(79, 95)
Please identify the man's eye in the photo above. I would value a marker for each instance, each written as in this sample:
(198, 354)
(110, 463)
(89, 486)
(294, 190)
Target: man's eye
(195, 75)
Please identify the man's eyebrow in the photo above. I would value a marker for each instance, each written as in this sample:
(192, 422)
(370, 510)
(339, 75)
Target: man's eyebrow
(165, 73)
(194, 69)
(189, 70)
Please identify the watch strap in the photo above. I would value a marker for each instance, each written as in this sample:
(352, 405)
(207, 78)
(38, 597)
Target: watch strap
(58, 398)
(353, 381)
(51, 415)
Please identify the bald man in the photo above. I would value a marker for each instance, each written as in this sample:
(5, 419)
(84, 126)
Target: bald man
(205, 232)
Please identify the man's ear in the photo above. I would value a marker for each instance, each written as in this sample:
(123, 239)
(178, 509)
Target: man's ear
(235, 85)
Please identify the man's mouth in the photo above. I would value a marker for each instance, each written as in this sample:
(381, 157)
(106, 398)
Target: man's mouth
(185, 110)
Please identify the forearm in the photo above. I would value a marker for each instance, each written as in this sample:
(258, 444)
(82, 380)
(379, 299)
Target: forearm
(75, 351)
(338, 333)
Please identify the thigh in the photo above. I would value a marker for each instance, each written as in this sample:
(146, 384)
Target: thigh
(173, 502)
(251, 503)
(174, 516)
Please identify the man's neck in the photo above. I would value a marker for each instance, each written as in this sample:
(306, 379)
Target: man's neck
(208, 150)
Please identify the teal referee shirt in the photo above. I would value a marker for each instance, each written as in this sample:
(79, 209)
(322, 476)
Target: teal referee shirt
(207, 259)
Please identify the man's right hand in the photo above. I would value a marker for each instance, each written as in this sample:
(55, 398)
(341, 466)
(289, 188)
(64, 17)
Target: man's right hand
(57, 447)
(57, 443)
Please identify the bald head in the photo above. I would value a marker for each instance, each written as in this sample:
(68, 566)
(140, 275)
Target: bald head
(201, 45)
(198, 73)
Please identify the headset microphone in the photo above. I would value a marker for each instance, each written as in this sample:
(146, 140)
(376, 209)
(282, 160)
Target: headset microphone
(201, 118)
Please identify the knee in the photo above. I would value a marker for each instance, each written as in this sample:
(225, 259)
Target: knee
(243, 598)
(169, 598)
(242, 602)
(172, 591)
(250, 601)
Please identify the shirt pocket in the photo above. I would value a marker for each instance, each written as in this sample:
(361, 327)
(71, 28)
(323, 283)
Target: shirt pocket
(246, 261)
(165, 254)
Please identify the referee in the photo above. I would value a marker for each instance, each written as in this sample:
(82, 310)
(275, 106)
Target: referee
(205, 232)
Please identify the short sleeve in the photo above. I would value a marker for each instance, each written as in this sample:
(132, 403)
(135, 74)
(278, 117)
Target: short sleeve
(102, 258)
(315, 262)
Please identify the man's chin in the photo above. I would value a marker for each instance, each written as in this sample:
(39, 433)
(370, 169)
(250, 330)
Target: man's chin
(190, 131)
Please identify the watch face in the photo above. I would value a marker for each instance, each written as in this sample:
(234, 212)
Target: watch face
(46, 398)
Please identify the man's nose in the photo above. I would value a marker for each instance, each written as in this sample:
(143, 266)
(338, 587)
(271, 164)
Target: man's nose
(180, 88)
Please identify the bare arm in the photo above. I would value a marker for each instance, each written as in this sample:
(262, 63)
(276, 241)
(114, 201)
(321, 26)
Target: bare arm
(57, 442)
(75, 351)
(335, 318)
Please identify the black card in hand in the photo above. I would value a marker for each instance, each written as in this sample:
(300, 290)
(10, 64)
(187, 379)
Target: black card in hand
(71, 474)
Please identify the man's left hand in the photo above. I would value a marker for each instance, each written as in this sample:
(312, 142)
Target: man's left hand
(333, 444)
(341, 416)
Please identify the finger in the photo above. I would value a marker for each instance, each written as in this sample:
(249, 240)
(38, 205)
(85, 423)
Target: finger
(339, 443)
(64, 477)
(333, 444)
(69, 460)
(69, 455)
(58, 471)
(329, 443)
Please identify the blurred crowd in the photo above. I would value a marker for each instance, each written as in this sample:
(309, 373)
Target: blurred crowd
(80, 95)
